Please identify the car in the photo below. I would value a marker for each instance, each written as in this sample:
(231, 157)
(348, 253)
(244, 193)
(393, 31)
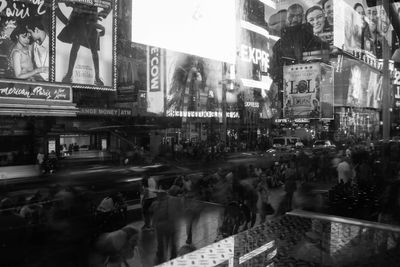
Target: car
(322, 144)
(84, 148)
(285, 141)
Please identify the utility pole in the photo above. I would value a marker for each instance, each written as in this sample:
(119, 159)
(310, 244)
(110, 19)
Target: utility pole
(386, 82)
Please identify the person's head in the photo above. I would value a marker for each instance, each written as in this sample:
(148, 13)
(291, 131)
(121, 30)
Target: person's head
(277, 22)
(295, 15)
(316, 17)
(20, 35)
(327, 5)
(36, 29)
(384, 21)
(315, 104)
(372, 14)
(359, 8)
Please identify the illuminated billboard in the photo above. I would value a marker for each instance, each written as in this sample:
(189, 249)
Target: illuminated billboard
(348, 27)
(308, 91)
(194, 87)
(301, 96)
(69, 42)
(345, 24)
(357, 85)
(289, 13)
(83, 46)
(204, 28)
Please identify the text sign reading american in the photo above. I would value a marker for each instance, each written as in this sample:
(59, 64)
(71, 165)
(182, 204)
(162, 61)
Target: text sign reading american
(35, 92)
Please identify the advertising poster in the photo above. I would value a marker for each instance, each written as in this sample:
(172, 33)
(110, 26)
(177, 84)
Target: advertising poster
(349, 26)
(84, 42)
(194, 87)
(358, 85)
(302, 88)
(24, 40)
(289, 13)
(204, 28)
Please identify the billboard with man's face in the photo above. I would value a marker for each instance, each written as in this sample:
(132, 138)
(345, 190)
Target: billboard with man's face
(346, 24)
(319, 14)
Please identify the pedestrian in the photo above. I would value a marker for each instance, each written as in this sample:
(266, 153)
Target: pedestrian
(344, 171)
(117, 249)
(149, 188)
(263, 205)
(177, 187)
(166, 212)
(40, 160)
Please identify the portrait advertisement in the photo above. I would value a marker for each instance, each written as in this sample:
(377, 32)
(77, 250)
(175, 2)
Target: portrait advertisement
(85, 42)
(302, 90)
(318, 14)
(349, 26)
(24, 40)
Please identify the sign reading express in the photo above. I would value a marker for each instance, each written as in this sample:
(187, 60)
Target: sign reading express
(35, 91)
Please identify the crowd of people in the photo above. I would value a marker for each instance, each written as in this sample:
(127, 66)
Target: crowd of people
(73, 224)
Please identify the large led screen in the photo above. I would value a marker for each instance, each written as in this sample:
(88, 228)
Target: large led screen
(194, 87)
(204, 28)
(357, 85)
(254, 45)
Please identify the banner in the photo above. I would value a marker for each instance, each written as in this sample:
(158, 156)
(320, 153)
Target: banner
(155, 80)
(204, 28)
(24, 40)
(302, 88)
(35, 91)
(84, 47)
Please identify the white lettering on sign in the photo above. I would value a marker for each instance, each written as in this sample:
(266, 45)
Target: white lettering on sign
(40, 91)
(37, 93)
(21, 11)
(252, 104)
(396, 83)
(254, 55)
(154, 69)
(201, 114)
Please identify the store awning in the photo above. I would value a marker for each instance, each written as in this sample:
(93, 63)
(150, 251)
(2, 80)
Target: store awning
(12, 107)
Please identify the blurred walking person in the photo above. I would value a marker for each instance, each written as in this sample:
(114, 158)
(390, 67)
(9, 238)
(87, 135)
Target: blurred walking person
(149, 187)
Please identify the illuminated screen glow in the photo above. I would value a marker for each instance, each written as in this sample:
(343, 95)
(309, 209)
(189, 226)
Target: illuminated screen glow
(204, 28)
